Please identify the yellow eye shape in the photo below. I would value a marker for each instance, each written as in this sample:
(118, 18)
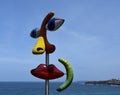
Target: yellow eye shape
(39, 47)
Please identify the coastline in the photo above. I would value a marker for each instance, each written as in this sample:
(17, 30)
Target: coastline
(104, 82)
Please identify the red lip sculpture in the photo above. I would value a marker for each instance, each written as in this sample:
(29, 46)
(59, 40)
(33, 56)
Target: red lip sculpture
(47, 72)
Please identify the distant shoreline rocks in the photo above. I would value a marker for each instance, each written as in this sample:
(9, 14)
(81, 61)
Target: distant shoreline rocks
(104, 82)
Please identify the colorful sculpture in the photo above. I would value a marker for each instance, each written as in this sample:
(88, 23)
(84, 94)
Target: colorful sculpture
(49, 71)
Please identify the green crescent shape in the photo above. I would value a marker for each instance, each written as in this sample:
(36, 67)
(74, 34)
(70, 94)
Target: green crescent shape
(69, 72)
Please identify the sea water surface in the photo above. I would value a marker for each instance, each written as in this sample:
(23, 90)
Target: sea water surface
(37, 88)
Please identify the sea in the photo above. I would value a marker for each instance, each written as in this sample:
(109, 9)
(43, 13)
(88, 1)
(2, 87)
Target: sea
(38, 88)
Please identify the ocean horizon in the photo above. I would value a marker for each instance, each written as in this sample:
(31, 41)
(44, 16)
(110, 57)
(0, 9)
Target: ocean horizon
(38, 88)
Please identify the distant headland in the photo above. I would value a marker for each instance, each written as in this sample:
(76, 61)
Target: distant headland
(105, 82)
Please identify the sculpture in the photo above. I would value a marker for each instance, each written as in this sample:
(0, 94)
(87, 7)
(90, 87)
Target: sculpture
(49, 71)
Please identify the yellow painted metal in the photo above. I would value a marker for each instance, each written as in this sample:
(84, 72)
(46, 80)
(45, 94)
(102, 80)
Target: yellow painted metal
(39, 47)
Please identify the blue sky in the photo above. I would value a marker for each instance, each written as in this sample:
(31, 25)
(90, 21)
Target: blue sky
(89, 39)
